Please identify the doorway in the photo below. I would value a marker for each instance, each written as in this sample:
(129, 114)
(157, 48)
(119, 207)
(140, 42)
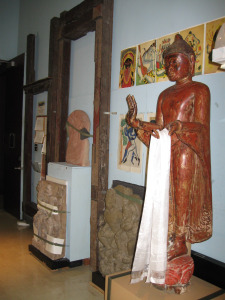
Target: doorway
(11, 93)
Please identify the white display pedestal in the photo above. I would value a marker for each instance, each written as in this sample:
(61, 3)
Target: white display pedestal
(78, 206)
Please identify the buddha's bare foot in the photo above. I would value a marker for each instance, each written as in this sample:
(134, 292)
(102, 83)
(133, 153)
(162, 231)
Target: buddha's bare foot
(178, 248)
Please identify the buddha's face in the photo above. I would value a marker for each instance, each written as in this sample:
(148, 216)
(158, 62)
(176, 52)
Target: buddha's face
(177, 66)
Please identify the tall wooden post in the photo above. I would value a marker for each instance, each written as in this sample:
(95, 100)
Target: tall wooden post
(59, 71)
(30, 78)
(100, 149)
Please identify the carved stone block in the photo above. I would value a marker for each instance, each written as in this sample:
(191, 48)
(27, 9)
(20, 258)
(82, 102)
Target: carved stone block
(49, 223)
(118, 230)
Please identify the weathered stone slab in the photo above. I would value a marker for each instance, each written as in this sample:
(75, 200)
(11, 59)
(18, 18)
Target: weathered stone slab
(49, 223)
(118, 230)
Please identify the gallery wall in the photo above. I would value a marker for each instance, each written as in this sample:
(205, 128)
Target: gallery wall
(136, 22)
(35, 17)
(9, 25)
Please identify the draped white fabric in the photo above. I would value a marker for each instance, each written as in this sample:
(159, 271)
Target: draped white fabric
(150, 259)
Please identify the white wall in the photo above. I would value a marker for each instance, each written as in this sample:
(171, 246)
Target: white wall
(35, 18)
(140, 21)
(9, 24)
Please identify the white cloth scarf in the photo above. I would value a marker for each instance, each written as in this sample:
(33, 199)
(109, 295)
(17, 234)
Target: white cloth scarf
(151, 251)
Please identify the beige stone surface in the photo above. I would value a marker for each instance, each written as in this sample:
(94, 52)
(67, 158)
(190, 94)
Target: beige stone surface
(118, 230)
(47, 224)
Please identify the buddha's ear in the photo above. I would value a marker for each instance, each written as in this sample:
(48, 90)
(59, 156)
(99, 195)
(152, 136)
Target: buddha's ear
(192, 60)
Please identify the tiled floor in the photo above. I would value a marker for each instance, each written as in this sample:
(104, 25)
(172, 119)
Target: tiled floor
(23, 277)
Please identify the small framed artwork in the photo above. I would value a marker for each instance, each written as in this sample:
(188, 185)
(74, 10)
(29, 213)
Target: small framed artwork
(146, 62)
(129, 147)
(127, 67)
(195, 38)
(40, 129)
(161, 45)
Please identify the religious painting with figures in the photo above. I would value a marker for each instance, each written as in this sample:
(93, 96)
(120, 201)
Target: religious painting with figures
(195, 38)
(146, 59)
(162, 44)
(127, 67)
(130, 147)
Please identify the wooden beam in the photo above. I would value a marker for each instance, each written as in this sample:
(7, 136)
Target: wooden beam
(79, 11)
(79, 28)
(30, 77)
(105, 92)
(55, 28)
(62, 99)
(100, 149)
(38, 86)
(30, 72)
(59, 70)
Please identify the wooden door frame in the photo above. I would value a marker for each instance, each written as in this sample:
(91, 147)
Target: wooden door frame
(89, 16)
(86, 17)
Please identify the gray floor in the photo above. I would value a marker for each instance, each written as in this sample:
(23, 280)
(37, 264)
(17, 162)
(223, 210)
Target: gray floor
(24, 277)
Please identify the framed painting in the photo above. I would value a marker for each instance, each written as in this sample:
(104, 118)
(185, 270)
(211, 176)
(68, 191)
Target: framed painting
(129, 148)
(146, 62)
(127, 67)
(195, 38)
(161, 45)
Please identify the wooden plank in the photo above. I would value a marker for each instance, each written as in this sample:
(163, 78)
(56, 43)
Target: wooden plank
(95, 148)
(100, 161)
(30, 77)
(93, 241)
(106, 50)
(79, 28)
(78, 11)
(55, 28)
(62, 99)
(38, 86)
(30, 72)
(59, 70)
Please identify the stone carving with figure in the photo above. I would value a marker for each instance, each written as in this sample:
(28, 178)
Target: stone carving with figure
(184, 110)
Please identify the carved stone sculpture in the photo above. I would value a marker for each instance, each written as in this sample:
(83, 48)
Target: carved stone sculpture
(49, 223)
(118, 230)
(77, 152)
(184, 109)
